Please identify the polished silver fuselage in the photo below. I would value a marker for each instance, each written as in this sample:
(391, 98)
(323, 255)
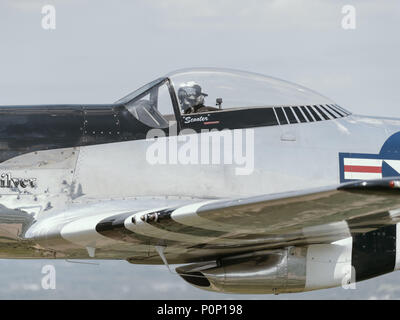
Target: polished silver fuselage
(88, 181)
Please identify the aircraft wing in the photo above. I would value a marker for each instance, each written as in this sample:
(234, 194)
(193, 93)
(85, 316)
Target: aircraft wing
(198, 230)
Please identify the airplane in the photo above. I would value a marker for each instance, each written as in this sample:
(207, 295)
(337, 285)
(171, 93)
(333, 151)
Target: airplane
(250, 184)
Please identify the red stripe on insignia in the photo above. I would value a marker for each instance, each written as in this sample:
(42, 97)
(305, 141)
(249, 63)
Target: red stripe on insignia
(369, 169)
(211, 122)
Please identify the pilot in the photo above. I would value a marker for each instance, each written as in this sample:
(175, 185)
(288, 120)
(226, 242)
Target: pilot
(192, 99)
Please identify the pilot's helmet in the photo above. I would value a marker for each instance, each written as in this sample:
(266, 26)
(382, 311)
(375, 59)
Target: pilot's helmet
(190, 95)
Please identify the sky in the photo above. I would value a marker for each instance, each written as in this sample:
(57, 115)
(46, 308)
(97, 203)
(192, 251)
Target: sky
(101, 50)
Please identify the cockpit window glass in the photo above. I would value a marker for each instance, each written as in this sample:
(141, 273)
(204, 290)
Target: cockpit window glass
(153, 107)
(213, 90)
(224, 99)
(141, 91)
(164, 103)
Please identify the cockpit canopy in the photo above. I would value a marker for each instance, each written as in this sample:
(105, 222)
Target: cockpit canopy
(212, 90)
(239, 89)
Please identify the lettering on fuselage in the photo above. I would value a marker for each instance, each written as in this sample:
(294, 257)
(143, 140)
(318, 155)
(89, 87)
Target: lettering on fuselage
(6, 181)
(189, 119)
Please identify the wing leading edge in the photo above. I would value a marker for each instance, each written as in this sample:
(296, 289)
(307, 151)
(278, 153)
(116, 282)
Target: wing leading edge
(196, 230)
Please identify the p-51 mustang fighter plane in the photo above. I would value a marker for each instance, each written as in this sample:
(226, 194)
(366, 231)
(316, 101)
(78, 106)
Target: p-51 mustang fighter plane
(252, 184)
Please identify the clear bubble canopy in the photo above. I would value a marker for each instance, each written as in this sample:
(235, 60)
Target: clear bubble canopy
(214, 90)
(239, 89)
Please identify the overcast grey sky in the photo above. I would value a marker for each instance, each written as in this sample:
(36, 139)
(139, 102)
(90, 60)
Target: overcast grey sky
(101, 50)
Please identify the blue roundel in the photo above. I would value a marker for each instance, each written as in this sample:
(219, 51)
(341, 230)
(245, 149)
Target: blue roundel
(366, 166)
(391, 145)
(391, 151)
